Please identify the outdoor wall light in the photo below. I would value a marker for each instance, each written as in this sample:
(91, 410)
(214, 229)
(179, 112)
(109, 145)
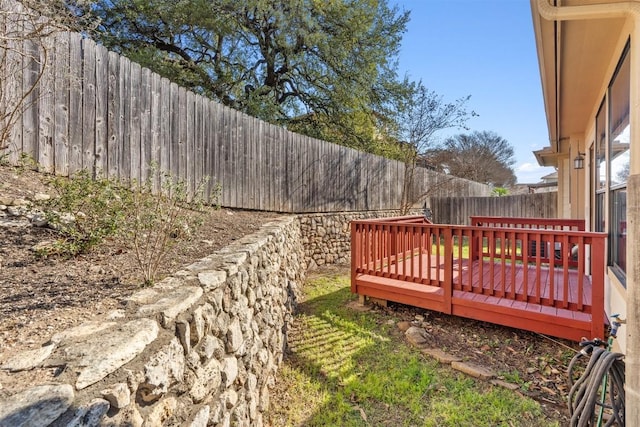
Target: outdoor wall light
(578, 162)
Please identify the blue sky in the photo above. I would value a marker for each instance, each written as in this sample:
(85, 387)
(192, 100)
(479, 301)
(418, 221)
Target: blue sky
(486, 49)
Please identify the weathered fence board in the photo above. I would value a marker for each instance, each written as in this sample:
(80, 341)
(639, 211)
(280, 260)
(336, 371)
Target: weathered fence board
(76, 92)
(145, 124)
(98, 111)
(114, 130)
(89, 107)
(135, 122)
(45, 110)
(31, 73)
(457, 210)
(61, 97)
(102, 87)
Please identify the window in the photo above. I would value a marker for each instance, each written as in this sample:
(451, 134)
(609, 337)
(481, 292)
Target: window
(600, 169)
(601, 145)
(611, 155)
(618, 164)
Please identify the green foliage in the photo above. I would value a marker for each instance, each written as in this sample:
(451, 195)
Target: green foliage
(85, 211)
(515, 378)
(154, 220)
(500, 191)
(346, 368)
(282, 61)
(26, 162)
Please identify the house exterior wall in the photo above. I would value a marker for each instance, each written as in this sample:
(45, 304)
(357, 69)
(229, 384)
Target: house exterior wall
(615, 288)
(576, 193)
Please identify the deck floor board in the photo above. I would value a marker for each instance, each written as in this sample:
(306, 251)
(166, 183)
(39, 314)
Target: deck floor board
(484, 290)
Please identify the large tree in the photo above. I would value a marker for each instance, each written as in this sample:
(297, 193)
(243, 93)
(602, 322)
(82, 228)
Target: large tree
(479, 156)
(326, 68)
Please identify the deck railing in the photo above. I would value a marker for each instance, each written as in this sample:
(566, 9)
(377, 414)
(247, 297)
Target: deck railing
(537, 223)
(535, 247)
(450, 259)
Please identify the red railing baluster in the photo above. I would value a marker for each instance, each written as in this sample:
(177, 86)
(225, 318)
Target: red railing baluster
(539, 249)
(525, 265)
(581, 272)
(481, 265)
(419, 251)
(552, 267)
(565, 255)
(514, 249)
(448, 269)
(492, 256)
(503, 254)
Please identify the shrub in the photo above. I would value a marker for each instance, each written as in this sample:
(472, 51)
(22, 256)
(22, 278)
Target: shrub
(156, 220)
(85, 211)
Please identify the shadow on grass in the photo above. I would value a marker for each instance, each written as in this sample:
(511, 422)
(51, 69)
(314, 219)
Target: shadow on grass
(345, 367)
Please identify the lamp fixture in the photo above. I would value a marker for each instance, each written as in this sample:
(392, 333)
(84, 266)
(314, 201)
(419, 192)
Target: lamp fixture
(578, 162)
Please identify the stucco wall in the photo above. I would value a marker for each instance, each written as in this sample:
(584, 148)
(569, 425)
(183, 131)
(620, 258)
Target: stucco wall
(199, 348)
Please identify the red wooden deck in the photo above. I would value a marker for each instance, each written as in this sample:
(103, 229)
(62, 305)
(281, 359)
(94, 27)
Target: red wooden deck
(510, 284)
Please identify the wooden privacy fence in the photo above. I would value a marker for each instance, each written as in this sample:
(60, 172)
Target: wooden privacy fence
(96, 110)
(459, 210)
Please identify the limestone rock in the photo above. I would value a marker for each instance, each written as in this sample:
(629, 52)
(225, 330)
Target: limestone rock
(19, 202)
(116, 314)
(118, 395)
(417, 336)
(36, 406)
(440, 355)
(197, 325)
(200, 419)
(234, 336)
(208, 379)
(86, 415)
(129, 416)
(229, 370)
(230, 398)
(161, 412)
(39, 220)
(104, 353)
(144, 296)
(473, 370)
(209, 347)
(28, 359)
(173, 303)
(82, 331)
(163, 369)
(212, 279)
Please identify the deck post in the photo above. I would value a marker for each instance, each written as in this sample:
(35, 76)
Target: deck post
(597, 289)
(448, 269)
(355, 248)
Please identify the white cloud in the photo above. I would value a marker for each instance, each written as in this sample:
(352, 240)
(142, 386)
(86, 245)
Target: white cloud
(528, 167)
(529, 173)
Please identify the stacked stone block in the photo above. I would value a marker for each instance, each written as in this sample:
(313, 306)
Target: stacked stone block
(201, 347)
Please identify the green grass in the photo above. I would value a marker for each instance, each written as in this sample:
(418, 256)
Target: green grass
(349, 368)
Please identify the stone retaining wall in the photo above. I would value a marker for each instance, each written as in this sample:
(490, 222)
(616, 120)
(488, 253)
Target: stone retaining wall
(327, 237)
(199, 348)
